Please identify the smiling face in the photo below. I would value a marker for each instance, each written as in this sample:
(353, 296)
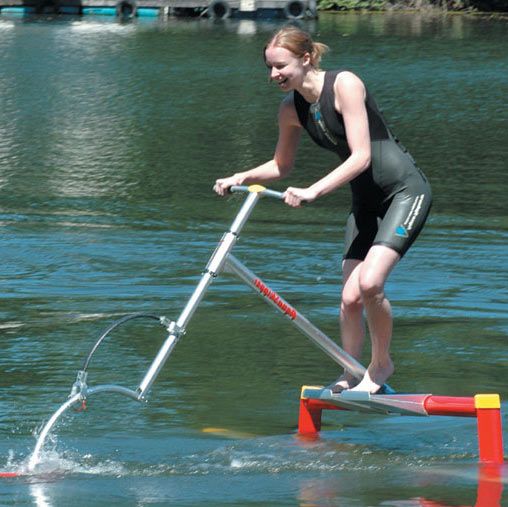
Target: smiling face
(286, 69)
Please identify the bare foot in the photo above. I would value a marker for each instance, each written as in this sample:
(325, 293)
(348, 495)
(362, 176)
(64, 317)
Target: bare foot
(344, 382)
(374, 378)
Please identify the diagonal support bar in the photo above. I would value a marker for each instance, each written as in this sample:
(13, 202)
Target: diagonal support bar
(327, 345)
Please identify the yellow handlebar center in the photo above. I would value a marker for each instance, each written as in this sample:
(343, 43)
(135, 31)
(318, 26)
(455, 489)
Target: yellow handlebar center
(255, 189)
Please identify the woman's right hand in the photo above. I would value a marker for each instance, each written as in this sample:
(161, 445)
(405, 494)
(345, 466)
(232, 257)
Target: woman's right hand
(222, 185)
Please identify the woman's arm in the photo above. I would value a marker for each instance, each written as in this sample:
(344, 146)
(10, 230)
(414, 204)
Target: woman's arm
(283, 160)
(350, 102)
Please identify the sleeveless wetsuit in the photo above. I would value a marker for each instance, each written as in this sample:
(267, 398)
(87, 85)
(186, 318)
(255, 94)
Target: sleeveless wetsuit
(392, 197)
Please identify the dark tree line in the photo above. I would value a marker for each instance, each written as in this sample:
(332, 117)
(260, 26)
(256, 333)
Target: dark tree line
(452, 5)
(490, 5)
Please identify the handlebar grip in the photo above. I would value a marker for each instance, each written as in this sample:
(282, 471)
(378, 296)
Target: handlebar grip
(257, 189)
(238, 188)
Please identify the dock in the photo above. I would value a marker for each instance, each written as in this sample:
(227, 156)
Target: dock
(213, 9)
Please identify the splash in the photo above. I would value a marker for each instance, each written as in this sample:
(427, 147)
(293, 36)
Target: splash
(54, 465)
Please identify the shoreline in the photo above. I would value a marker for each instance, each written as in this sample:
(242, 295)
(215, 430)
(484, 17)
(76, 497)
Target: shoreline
(384, 6)
(413, 10)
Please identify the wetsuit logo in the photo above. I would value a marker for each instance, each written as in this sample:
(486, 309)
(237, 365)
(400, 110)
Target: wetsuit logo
(315, 110)
(403, 229)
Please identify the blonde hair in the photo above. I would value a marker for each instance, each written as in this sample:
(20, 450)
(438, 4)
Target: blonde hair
(299, 42)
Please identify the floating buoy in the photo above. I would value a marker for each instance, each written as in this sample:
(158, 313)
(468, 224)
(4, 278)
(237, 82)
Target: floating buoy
(99, 11)
(294, 9)
(126, 9)
(219, 9)
(148, 12)
(17, 10)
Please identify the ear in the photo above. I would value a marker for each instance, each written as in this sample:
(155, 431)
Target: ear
(306, 59)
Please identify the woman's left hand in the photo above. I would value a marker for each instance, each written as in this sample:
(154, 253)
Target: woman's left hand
(296, 196)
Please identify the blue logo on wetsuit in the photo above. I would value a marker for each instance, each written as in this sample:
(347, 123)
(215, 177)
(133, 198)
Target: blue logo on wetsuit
(401, 231)
(315, 110)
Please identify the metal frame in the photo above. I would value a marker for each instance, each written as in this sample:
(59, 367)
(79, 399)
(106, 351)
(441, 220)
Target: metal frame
(220, 261)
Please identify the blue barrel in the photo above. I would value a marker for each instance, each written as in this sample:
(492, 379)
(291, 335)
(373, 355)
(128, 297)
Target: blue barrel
(17, 10)
(99, 11)
(148, 11)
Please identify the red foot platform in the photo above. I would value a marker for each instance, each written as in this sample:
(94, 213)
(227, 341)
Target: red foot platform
(485, 407)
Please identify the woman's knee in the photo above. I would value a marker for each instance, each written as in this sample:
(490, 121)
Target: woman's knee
(351, 300)
(375, 270)
(371, 287)
(351, 297)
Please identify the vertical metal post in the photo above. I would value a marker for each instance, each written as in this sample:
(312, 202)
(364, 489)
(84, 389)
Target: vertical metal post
(213, 268)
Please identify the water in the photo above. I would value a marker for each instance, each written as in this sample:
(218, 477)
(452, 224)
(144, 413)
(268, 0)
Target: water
(111, 135)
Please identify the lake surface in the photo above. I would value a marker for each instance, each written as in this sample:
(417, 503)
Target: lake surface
(111, 136)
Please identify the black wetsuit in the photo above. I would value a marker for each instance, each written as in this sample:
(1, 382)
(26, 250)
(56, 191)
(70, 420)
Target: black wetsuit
(392, 197)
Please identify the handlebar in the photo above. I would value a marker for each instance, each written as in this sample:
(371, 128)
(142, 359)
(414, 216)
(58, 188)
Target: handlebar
(257, 189)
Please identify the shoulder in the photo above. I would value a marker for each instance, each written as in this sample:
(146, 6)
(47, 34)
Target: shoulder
(348, 88)
(348, 81)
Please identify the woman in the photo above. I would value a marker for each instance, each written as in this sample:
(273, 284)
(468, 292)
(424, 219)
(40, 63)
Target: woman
(391, 196)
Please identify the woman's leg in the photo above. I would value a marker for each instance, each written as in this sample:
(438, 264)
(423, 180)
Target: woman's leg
(351, 320)
(401, 224)
(373, 274)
